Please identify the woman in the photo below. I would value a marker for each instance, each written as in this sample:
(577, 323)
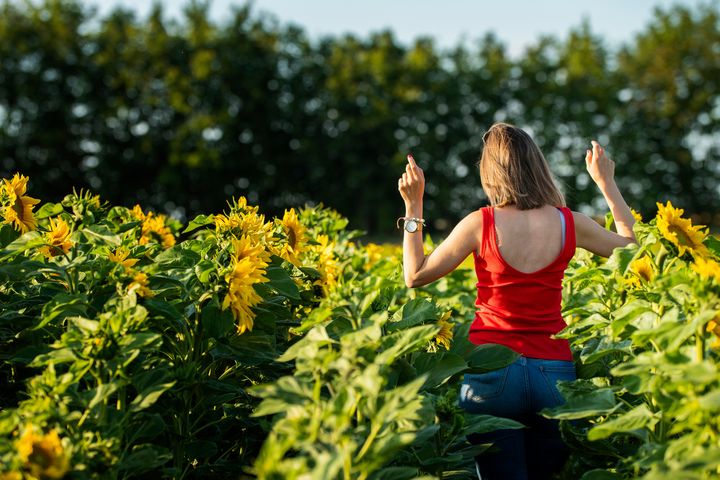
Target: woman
(521, 245)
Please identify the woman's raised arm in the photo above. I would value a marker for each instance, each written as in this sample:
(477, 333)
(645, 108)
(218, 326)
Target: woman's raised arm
(589, 234)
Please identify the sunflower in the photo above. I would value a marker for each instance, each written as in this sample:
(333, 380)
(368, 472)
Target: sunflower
(154, 229)
(137, 213)
(140, 285)
(295, 237)
(680, 231)
(374, 253)
(42, 455)
(636, 215)
(643, 268)
(445, 335)
(326, 263)
(58, 241)
(248, 268)
(120, 255)
(18, 208)
(250, 224)
(707, 268)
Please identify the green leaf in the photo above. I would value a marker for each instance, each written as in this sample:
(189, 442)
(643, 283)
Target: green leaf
(134, 341)
(414, 312)
(439, 367)
(713, 243)
(49, 210)
(477, 423)
(198, 222)
(144, 458)
(7, 235)
(102, 393)
(582, 402)
(490, 356)
(281, 282)
(178, 256)
(149, 396)
(25, 242)
(397, 344)
(102, 234)
(62, 306)
(637, 418)
(204, 270)
(620, 259)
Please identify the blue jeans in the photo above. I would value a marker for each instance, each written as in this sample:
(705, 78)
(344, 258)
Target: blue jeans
(519, 391)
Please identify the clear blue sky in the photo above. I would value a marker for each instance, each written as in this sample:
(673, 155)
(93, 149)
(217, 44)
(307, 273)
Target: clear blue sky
(518, 23)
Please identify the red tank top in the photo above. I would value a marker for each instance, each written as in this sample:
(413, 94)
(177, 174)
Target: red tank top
(516, 309)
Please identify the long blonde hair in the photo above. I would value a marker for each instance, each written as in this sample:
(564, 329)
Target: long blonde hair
(513, 170)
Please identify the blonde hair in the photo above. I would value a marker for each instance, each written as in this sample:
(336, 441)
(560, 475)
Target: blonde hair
(513, 170)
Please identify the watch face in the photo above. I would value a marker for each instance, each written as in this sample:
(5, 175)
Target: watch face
(411, 226)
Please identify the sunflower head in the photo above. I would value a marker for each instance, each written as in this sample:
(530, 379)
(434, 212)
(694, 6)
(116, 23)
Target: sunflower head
(120, 255)
(643, 268)
(295, 236)
(17, 207)
(249, 262)
(707, 268)
(327, 264)
(445, 335)
(42, 455)
(680, 231)
(57, 238)
(155, 230)
(140, 285)
(137, 213)
(249, 224)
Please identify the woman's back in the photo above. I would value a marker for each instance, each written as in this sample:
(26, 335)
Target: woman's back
(528, 240)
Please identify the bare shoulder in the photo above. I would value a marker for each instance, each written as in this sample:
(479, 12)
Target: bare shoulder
(473, 221)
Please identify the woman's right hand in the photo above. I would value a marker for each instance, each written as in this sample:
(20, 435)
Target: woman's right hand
(599, 166)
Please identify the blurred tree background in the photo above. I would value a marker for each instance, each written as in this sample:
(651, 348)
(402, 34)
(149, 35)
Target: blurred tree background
(182, 115)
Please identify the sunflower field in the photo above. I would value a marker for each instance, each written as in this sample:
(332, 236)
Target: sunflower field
(239, 346)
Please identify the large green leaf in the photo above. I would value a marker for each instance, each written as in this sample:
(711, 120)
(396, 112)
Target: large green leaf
(637, 418)
(582, 402)
(440, 367)
(417, 310)
(490, 356)
(281, 282)
(487, 423)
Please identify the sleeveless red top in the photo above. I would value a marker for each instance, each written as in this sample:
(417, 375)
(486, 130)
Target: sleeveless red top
(516, 309)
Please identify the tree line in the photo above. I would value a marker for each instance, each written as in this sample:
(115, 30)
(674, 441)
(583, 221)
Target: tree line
(182, 115)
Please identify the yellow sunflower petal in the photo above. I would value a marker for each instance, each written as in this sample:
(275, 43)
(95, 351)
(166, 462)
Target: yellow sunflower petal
(680, 231)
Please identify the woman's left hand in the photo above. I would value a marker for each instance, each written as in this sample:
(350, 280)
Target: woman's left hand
(412, 183)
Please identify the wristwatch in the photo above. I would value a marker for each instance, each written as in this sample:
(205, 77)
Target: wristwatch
(411, 224)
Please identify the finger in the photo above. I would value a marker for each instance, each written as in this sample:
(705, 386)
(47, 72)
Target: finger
(588, 158)
(405, 177)
(412, 172)
(411, 161)
(596, 149)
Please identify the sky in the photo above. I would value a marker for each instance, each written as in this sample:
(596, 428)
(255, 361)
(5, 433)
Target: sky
(518, 23)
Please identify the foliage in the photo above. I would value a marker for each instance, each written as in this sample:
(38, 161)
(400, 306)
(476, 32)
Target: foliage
(643, 325)
(135, 347)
